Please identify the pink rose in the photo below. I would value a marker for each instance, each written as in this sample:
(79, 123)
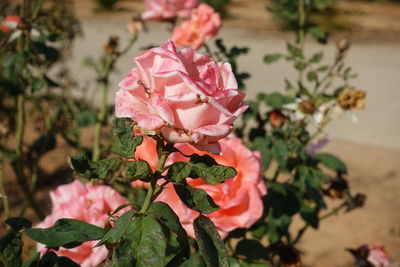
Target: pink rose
(204, 23)
(240, 198)
(87, 203)
(10, 23)
(186, 96)
(377, 255)
(168, 9)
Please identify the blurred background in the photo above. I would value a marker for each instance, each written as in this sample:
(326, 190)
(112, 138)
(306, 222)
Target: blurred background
(369, 143)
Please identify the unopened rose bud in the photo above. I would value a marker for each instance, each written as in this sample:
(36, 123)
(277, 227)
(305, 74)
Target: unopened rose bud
(135, 26)
(111, 48)
(359, 200)
(351, 99)
(343, 45)
(337, 187)
(276, 118)
(307, 107)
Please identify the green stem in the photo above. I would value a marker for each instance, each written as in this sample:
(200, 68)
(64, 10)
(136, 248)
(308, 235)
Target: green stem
(19, 168)
(334, 211)
(302, 21)
(101, 119)
(150, 193)
(3, 194)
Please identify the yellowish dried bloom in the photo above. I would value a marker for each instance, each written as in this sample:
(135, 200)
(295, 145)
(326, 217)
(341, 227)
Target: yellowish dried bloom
(351, 99)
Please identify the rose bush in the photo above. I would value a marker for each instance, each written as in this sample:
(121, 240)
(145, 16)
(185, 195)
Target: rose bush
(239, 198)
(88, 203)
(184, 95)
(204, 23)
(168, 9)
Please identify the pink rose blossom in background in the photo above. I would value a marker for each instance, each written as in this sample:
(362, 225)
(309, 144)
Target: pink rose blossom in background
(168, 9)
(9, 23)
(186, 96)
(240, 198)
(87, 203)
(204, 23)
(378, 256)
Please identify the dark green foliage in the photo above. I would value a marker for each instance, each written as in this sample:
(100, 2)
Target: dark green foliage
(211, 246)
(137, 170)
(168, 218)
(64, 232)
(121, 226)
(86, 168)
(195, 198)
(218, 5)
(143, 245)
(124, 140)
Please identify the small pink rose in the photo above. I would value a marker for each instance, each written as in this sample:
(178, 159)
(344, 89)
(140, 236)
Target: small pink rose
(377, 256)
(204, 23)
(168, 9)
(240, 198)
(184, 95)
(88, 203)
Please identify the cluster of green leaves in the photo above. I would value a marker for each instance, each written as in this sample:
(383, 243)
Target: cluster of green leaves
(154, 236)
(287, 14)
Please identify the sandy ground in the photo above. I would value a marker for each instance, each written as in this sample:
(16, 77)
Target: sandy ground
(371, 148)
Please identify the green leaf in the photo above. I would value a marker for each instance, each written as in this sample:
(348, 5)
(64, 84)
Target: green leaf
(318, 34)
(317, 57)
(139, 169)
(215, 174)
(195, 198)
(64, 232)
(144, 244)
(276, 100)
(124, 140)
(208, 169)
(10, 249)
(210, 244)
(86, 168)
(18, 223)
(312, 76)
(309, 213)
(251, 249)
(271, 58)
(280, 152)
(262, 144)
(294, 50)
(179, 171)
(168, 217)
(120, 228)
(38, 84)
(86, 118)
(331, 162)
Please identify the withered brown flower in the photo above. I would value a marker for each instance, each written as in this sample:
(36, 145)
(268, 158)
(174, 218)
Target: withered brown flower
(111, 47)
(351, 99)
(307, 107)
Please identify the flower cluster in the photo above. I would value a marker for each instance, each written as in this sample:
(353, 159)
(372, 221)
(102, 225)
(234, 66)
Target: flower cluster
(168, 9)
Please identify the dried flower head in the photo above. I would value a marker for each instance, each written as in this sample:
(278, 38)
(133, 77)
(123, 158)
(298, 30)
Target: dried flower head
(135, 26)
(351, 99)
(111, 47)
(337, 187)
(307, 106)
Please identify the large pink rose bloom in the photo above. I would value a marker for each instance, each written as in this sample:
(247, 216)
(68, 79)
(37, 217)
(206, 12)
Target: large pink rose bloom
(204, 23)
(168, 9)
(186, 96)
(240, 198)
(87, 203)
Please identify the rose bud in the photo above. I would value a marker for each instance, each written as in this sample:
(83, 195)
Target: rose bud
(307, 107)
(373, 255)
(184, 96)
(276, 118)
